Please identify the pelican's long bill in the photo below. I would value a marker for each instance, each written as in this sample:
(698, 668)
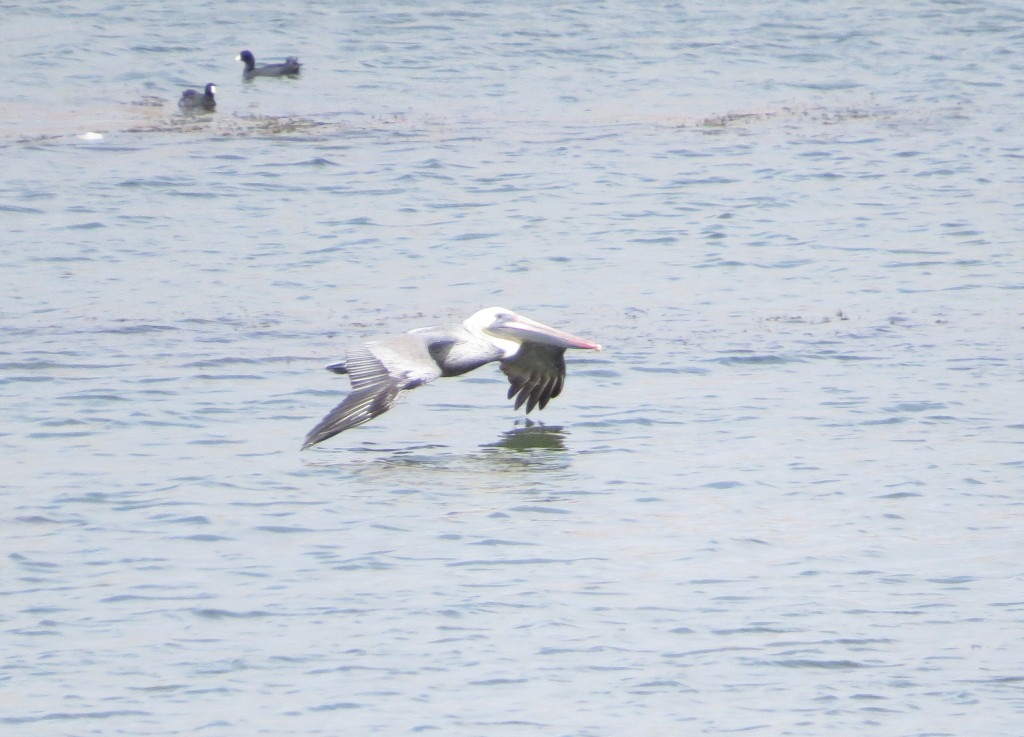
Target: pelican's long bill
(524, 330)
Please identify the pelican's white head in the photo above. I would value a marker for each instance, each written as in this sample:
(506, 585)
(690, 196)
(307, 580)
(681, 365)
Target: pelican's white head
(508, 331)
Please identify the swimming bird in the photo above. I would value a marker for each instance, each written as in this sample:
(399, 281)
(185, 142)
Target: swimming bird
(192, 100)
(532, 355)
(290, 66)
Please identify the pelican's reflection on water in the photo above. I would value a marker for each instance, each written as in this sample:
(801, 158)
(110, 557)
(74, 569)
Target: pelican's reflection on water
(532, 436)
(533, 446)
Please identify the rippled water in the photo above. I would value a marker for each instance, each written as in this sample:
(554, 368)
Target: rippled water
(784, 500)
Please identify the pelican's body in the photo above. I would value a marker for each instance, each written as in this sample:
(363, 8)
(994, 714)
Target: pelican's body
(531, 355)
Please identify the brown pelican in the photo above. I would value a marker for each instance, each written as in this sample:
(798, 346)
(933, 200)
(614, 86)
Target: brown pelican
(532, 355)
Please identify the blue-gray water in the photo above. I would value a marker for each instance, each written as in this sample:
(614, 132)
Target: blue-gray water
(785, 500)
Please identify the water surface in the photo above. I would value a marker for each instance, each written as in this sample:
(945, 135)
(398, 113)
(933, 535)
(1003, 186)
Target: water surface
(784, 499)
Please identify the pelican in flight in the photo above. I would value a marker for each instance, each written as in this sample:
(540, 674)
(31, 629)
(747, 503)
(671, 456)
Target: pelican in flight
(532, 355)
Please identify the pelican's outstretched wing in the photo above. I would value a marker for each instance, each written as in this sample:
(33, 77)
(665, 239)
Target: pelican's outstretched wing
(535, 374)
(380, 371)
